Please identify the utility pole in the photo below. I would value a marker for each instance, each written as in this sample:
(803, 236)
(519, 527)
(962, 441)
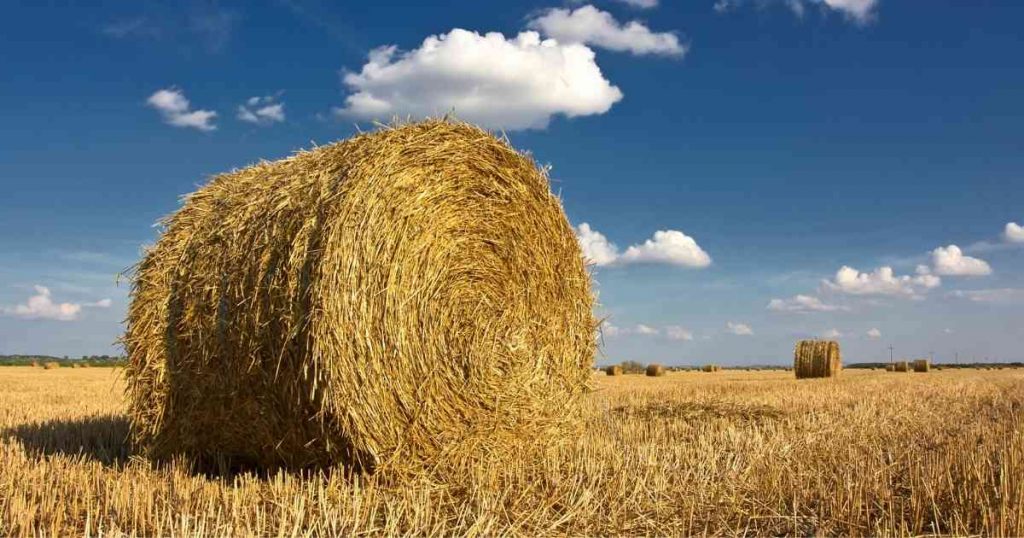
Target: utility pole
(890, 353)
(931, 357)
(958, 357)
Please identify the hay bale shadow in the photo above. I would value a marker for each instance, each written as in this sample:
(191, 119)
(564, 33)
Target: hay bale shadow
(102, 438)
(700, 411)
(105, 439)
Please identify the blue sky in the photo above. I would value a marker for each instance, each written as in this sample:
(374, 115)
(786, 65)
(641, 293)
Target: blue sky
(772, 142)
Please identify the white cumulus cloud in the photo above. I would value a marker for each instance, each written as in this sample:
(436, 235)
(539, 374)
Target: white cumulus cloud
(881, 281)
(176, 110)
(832, 333)
(596, 247)
(670, 247)
(951, 261)
(739, 329)
(675, 332)
(42, 306)
(802, 304)
(261, 110)
(592, 26)
(1014, 233)
(874, 334)
(498, 82)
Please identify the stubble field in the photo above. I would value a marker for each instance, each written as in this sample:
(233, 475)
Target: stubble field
(726, 453)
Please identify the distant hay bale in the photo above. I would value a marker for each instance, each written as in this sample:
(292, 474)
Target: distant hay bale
(384, 299)
(51, 365)
(922, 365)
(890, 367)
(817, 358)
(655, 370)
(902, 366)
(613, 370)
(35, 364)
(710, 368)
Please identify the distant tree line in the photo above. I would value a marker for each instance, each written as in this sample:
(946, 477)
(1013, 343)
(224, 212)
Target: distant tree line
(973, 365)
(91, 360)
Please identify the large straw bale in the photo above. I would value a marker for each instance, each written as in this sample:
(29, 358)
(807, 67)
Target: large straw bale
(711, 368)
(378, 300)
(655, 370)
(817, 358)
(902, 366)
(922, 365)
(613, 370)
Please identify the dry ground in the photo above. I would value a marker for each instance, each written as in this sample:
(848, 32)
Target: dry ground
(728, 453)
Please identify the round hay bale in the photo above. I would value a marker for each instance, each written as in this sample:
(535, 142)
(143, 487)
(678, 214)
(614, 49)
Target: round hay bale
(613, 370)
(890, 367)
(817, 358)
(35, 364)
(51, 365)
(902, 366)
(655, 370)
(384, 299)
(710, 368)
(922, 365)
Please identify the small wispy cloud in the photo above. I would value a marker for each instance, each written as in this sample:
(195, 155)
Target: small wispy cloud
(176, 110)
(264, 110)
(41, 305)
(202, 25)
(591, 26)
(992, 296)
(137, 27)
(857, 11)
(739, 329)
(802, 304)
(640, 4)
(675, 332)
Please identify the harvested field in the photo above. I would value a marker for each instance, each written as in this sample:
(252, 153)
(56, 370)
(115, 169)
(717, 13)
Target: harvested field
(755, 453)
